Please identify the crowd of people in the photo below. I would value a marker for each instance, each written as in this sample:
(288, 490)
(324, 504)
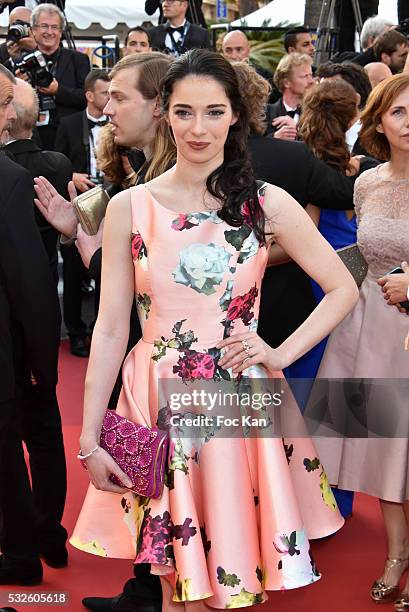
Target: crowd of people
(231, 191)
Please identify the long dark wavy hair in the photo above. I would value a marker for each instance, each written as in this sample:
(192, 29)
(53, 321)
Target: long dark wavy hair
(233, 183)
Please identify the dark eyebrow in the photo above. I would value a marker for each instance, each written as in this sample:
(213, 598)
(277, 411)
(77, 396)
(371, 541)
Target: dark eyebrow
(208, 106)
(397, 107)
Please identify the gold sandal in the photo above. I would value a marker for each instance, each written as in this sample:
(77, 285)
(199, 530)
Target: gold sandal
(382, 592)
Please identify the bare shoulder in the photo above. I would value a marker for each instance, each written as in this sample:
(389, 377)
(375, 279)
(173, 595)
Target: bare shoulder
(119, 209)
(277, 201)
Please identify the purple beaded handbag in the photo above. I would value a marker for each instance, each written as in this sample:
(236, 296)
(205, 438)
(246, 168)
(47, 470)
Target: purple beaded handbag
(140, 452)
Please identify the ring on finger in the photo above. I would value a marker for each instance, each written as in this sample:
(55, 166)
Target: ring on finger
(246, 346)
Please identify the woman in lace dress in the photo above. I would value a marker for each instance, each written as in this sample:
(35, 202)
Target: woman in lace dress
(369, 343)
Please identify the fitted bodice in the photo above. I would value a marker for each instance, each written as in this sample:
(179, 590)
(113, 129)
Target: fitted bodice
(382, 209)
(197, 279)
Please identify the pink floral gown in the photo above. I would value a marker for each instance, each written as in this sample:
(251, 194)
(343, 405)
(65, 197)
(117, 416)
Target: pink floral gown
(236, 514)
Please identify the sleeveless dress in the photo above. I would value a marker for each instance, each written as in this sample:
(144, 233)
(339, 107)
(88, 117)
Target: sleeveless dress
(236, 513)
(369, 344)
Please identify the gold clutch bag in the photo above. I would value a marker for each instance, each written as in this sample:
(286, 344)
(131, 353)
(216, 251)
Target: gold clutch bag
(90, 209)
(353, 259)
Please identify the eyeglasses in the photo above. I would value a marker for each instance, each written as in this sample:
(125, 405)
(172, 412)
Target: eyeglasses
(171, 1)
(44, 27)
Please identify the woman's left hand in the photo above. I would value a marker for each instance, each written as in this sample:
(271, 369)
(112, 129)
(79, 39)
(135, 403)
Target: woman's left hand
(247, 349)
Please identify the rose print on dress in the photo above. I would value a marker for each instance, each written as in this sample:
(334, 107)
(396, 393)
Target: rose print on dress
(155, 536)
(143, 304)
(202, 267)
(240, 307)
(138, 247)
(188, 220)
(179, 341)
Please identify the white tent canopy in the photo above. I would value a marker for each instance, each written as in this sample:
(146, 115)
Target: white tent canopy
(279, 11)
(105, 12)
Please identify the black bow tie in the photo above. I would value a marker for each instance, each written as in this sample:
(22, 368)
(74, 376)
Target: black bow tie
(180, 29)
(292, 113)
(92, 124)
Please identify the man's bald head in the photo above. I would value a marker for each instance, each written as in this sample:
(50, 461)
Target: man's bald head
(26, 106)
(377, 72)
(236, 46)
(20, 13)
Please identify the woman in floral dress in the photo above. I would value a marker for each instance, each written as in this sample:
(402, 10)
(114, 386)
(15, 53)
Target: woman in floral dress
(236, 513)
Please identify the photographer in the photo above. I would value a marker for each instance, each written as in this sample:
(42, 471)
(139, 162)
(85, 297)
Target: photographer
(19, 39)
(57, 73)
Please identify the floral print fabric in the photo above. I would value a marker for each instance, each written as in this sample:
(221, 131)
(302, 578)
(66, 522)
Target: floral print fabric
(236, 514)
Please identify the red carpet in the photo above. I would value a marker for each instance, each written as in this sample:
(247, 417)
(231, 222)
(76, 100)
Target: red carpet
(349, 561)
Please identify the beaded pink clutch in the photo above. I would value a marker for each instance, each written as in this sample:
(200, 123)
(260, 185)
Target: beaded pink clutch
(140, 452)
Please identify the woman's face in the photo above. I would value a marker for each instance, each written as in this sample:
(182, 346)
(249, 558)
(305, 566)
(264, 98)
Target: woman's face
(200, 116)
(395, 123)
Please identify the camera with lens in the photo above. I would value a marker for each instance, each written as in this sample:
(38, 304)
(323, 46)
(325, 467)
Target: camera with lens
(17, 31)
(35, 66)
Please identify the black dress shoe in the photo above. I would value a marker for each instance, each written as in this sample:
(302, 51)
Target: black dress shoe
(119, 603)
(23, 573)
(55, 558)
(79, 346)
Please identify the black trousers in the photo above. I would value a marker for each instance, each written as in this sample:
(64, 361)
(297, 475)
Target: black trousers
(32, 516)
(345, 19)
(403, 10)
(73, 273)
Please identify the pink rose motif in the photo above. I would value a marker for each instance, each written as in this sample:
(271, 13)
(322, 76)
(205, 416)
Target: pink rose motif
(241, 306)
(137, 247)
(245, 212)
(193, 365)
(236, 308)
(181, 222)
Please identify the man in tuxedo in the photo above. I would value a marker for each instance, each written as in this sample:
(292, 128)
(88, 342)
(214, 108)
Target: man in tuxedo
(178, 34)
(65, 94)
(29, 340)
(40, 415)
(292, 78)
(194, 12)
(77, 138)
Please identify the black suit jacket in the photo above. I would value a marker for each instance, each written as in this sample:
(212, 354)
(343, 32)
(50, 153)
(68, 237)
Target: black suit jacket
(29, 308)
(71, 69)
(70, 141)
(196, 38)
(273, 111)
(286, 294)
(53, 166)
